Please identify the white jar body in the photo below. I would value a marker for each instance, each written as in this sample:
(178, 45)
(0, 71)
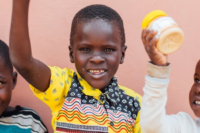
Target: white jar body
(161, 23)
(170, 36)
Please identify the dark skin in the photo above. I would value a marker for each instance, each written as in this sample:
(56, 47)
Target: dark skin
(149, 42)
(7, 84)
(96, 52)
(194, 95)
(159, 59)
(34, 71)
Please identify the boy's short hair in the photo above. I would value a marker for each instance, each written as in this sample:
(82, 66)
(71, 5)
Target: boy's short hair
(97, 12)
(4, 55)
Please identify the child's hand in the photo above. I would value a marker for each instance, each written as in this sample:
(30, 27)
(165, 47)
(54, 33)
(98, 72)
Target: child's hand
(149, 42)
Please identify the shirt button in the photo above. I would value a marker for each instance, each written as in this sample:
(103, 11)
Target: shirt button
(101, 98)
(111, 123)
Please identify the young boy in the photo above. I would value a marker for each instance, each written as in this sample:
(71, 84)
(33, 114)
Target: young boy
(89, 100)
(14, 119)
(153, 114)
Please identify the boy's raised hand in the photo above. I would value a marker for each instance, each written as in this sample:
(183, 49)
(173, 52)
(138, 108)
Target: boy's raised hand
(149, 40)
(34, 71)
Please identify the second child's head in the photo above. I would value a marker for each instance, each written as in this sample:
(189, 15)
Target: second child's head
(194, 96)
(7, 77)
(97, 44)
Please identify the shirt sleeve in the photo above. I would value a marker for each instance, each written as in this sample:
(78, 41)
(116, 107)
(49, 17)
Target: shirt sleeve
(59, 86)
(153, 118)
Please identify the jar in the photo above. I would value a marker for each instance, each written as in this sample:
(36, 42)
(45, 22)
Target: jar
(170, 36)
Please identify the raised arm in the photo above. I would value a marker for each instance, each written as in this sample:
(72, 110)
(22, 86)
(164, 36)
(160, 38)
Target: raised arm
(34, 71)
(153, 118)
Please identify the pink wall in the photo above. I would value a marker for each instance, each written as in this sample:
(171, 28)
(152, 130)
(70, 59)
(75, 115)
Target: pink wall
(50, 22)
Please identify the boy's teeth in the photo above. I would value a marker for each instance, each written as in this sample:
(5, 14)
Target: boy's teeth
(96, 71)
(197, 102)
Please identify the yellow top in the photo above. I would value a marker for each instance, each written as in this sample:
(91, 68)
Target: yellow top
(151, 16)
(75, 105)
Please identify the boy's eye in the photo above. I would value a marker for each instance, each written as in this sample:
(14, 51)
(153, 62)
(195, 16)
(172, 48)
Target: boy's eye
(108, 50)
(196, 80)
(85, 49)
(2, 82)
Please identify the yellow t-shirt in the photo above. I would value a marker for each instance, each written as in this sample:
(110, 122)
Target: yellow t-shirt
(77, 107)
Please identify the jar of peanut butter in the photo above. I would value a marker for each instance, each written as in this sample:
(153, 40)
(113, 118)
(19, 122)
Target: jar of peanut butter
(170, 36)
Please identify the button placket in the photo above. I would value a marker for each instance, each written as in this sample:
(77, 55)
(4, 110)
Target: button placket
(102, 98)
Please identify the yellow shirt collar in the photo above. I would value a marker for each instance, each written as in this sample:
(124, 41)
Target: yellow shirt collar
(95, 92)
(87, 89)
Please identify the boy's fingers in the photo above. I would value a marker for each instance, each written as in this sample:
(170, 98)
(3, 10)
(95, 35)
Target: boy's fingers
(150, 35)
(143, 36)
(152, 45)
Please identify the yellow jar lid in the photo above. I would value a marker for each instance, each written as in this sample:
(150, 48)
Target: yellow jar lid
(151, 16)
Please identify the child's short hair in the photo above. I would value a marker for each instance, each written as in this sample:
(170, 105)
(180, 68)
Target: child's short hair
(4, 56)
(97, 12)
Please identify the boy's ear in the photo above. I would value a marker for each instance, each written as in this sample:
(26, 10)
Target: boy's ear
(123, 54)
(14, 79)
(71, 53)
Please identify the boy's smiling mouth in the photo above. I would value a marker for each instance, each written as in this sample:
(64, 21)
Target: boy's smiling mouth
(97, 73)
(196, 103)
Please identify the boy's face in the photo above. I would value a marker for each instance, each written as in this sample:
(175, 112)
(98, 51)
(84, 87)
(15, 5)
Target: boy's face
(7, 83)
(97, 51)
(194, 96)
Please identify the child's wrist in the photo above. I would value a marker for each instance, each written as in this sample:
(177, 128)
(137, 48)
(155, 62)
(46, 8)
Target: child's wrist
(160, 64)
(158, 71)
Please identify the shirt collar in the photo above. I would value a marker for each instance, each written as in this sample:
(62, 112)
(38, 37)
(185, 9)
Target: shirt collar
(111, 91)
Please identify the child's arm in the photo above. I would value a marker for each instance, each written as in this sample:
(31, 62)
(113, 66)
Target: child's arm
(34, 71)
(153, 118)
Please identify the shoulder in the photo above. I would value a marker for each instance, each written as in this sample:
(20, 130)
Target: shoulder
(28, 111)
(60, 71)
(182, 116)
(32, 117)
(25, 118)
(28, 114)
(184, 121)
(61, 76)
(131, 93)
(18, 110)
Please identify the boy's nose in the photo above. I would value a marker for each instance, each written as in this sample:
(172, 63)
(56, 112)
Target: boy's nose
(97, 59)
(197, 90)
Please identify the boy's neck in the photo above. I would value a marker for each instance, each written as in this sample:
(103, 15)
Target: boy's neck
(103, 90)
